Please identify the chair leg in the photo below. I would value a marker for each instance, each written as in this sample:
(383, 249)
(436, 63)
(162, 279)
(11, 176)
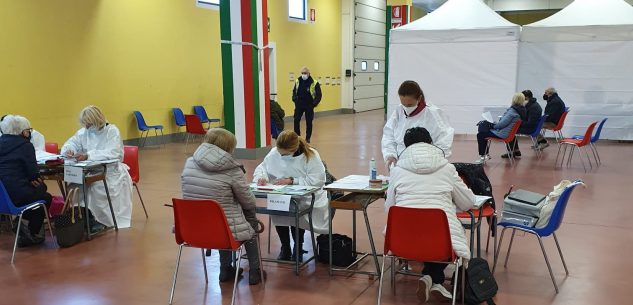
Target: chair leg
(593, 151)
(237, 273)
(588, 158)
(394, 268)
(261, 265)
(510, 154)
(571, 156)
(580, 157)
(204, 263)
(382, 270)
(17, 235)
(459, 260)
(173, 285)
(496, 257)
(549, 267)
(505, 264)
(140, 197)
(269, 230)
(595, 148)
(48, 221)
(561, 254)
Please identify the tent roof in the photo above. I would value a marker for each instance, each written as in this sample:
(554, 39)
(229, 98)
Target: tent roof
(459, 15)
(590, 12)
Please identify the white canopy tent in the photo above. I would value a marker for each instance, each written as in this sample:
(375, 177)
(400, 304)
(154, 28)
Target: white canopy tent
(585, 51)
(463, 55)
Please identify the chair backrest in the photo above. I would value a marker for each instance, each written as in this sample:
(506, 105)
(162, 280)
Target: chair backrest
(179, 117)
(596, 136)
(202, 224)
(201, 112)
(418, 234)
(513, 131)
(587, 136)
(561, 121)
(539, 126)
(193, 124)
(51, 147)
(140, 121)
(559, 210)
(130, 158)
(6, 205)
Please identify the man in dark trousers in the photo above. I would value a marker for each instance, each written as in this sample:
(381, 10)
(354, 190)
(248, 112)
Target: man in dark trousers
(306, 94)
(534, 113)
(554, 110)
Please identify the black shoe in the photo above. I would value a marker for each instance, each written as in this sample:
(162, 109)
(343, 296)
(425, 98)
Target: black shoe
(284, 253)
(255, 277)
(25, 238)
(517, 153)
(207, 252)
(294, 253)
(97, 227)
(227, 273)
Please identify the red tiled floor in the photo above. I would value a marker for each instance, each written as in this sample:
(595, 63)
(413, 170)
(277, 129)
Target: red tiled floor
(135, 266)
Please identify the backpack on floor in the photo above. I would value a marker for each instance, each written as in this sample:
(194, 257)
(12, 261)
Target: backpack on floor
(480, 283)
(342, 252)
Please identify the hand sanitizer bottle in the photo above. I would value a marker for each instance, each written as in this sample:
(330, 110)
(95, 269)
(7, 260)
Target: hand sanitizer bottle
(372, 169)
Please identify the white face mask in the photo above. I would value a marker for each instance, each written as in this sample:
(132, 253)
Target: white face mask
(286, 158)
(409, 110)
(91, 129)
(304, 76)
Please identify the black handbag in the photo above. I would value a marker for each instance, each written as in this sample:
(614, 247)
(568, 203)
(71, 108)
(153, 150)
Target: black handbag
(342, 252)
(480, 283)
(70, 224)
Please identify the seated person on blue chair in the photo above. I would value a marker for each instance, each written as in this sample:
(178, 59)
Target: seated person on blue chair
(423, 178)
(21, 177)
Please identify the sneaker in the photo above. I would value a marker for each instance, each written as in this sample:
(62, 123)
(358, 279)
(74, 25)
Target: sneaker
(424, 284)
(440, 293)
(482, 159)
(255, 277)
(516, 153)
(301, 253)
(97, 227)
(227, 273)
(541, 146)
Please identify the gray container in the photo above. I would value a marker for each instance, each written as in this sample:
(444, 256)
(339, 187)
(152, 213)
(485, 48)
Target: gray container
(522, 208)
(518, 219)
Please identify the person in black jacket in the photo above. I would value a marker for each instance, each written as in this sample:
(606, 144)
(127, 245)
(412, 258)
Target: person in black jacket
(20, 176)
(534, 113)
(554, 110)
(306, 94)
(277, 115)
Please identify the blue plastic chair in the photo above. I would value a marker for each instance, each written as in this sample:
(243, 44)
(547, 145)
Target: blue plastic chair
(534, 135)
(8, 208)
(202, 114)
(550, 229)
(594, 139)
(144, 128)
(179, 117)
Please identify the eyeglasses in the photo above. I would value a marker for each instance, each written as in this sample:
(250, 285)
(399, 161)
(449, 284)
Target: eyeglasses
(28, 129)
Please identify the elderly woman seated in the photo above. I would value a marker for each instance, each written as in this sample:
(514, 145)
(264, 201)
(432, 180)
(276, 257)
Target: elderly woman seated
(20, 176)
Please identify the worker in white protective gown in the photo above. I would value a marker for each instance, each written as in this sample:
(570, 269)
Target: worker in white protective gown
(294, 162)
(414, 111)
(100, 141)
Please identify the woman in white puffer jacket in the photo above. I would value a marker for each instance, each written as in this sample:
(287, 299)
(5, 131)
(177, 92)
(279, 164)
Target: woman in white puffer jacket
(423, 178)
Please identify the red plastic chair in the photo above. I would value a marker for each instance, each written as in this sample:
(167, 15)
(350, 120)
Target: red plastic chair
(130, 158)
(475, 217)
(507, 141)
(421, 235)
(194, 127)
(52, 148)
(558, 133)
(202, 224)
(578, 143)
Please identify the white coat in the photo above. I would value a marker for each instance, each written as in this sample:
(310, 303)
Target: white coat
(424, 179)
(105, 144)
(305, 172)
(37, 139)
(431, 118)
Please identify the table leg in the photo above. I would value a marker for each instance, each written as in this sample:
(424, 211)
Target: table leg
(330, 241)
(105, 184)
(354, 231)
(86, 208)
(371, 241)
(297, 240)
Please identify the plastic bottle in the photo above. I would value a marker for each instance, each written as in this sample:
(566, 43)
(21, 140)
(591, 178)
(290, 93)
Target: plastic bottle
(372, 169)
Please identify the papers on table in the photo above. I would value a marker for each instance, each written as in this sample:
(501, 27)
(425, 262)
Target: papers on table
(488, 116)
(350, 182)
(480, 200)
(42, 156)
(267, 187)
(89, 163)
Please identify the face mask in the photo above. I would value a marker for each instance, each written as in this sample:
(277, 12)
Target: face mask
(29, 137)
(304, 76)
(409, 110)
(286, 158)
(545, 97)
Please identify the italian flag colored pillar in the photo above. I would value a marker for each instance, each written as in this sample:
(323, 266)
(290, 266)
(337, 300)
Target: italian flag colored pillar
(244, 35)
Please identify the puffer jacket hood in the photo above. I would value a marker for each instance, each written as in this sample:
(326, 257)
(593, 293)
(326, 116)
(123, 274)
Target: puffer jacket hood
(213, 159)
(9, 143)
(422, 158)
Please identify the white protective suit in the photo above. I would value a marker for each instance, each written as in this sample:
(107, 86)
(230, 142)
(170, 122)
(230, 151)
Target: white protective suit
(106, 144)
(431, 118)
(309, 173)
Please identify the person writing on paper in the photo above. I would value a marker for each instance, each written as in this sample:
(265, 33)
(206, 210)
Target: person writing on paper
(500, 129)
(294, 162)
(21, 178)
(213, 173)
(37, 138)
(99, 140)
(414, 111)
(423, 178)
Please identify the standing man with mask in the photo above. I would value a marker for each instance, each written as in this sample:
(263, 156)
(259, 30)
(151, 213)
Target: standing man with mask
(414, 111)
(554, 110)
(306, 94)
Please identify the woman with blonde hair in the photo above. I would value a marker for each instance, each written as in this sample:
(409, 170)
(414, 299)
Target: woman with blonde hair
(502, 128)
(99, 140)
(294, 162)
(213, 173)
